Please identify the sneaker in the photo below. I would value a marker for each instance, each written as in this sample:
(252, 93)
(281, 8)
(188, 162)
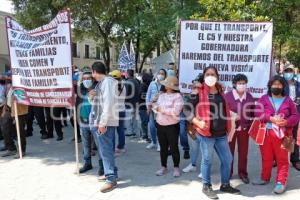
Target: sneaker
(200, 176)
(107, 187)
(296, 165)
(17, 156)
(189, 168)
(151, 146)
(279, 188)
(59, 138)
(260, 182)
(176, 172)
(44, 137)
(3, 149)
(85, 168)
(9, 153)
(129, 134)
(228, 189)
(102, 178)
(162, 171)
(120, 151)
(186, 155)
(158, 148)
(245, 179)
(208, 191)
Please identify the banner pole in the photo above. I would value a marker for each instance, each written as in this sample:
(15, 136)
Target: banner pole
(18, 129)
(176, 43)
(76, 140)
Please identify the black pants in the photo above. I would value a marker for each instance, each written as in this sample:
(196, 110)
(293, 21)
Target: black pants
(38, 114)
(1, 135)
(168, 137)
(9, 132)
(295, 155)
(53, 115)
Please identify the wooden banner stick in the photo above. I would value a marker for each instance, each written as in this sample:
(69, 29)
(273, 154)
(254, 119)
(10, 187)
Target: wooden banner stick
(18, 129)
(76, 140)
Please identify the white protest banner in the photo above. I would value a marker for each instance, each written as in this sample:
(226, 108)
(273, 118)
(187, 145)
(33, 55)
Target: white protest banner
(231, 47)
(41, 62)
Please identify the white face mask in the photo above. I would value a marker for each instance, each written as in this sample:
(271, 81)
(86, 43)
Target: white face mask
(241, 87)
(210, 80)
(87, 83)
(160, 77)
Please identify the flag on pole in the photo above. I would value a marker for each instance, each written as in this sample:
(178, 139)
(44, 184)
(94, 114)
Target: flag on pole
(132, 55)
(124, 59)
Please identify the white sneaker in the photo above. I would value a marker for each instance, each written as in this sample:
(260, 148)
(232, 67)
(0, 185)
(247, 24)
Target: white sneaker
(158, 148)
(189, 168)
(151, 146)
(200, 176)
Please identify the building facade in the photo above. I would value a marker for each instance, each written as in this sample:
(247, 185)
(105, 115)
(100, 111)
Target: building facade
(85, 52)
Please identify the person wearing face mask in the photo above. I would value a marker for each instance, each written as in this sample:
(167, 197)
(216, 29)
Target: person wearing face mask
(280, 114)
(151, 96)
(292, 89)
(212, 123)
(168, 108)
(84, 109)
(242, 103)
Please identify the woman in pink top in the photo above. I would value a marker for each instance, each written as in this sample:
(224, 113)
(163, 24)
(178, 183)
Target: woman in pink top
(168, 108)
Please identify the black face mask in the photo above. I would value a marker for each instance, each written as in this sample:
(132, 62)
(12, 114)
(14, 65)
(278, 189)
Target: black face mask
(276, 91)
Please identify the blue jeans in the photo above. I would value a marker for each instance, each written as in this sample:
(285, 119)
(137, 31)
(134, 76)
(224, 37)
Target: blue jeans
(120, 131)
(195, 150)
(131, 122)
(106, 146)
(94, 131)
(144, 122)
(221, 146)
(86, 136)
(182, 134)
(153, 130)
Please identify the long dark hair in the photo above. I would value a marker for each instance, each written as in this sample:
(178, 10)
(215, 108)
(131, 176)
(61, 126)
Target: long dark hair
(271, 82)
(213, 68)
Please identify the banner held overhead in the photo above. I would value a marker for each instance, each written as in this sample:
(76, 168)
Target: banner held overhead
(231, 47)
(41, 62)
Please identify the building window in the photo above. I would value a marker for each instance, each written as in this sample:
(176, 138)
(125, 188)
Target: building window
(98, 53)
(87, 51)
(74, 49)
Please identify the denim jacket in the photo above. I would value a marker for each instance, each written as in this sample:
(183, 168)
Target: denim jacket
(152, 91)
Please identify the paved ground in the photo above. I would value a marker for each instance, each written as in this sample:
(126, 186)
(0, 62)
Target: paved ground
(47, 173)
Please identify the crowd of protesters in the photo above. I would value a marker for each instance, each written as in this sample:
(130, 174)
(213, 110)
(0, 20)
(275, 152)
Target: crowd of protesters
(113, 106)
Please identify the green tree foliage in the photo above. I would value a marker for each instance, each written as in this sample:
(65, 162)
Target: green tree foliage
(151, 25)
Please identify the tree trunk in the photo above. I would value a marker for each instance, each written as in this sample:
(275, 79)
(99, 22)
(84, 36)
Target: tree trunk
(142, 63)
(144, 59)
(106, 54)
(158, 49)
(279, 59)
(137, 52)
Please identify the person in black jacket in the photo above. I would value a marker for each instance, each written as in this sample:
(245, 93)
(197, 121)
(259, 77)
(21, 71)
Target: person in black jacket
(132, 99)
(146, 80)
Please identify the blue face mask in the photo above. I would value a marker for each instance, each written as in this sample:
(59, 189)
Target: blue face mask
(288, 76)
(87, 83)
(297, 78)
(171, 72)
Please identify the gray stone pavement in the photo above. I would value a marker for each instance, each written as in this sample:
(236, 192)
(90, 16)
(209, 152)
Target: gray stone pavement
(48, 173)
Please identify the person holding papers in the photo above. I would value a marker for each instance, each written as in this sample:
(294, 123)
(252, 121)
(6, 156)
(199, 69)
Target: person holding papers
(279, 113)
(242, 104)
